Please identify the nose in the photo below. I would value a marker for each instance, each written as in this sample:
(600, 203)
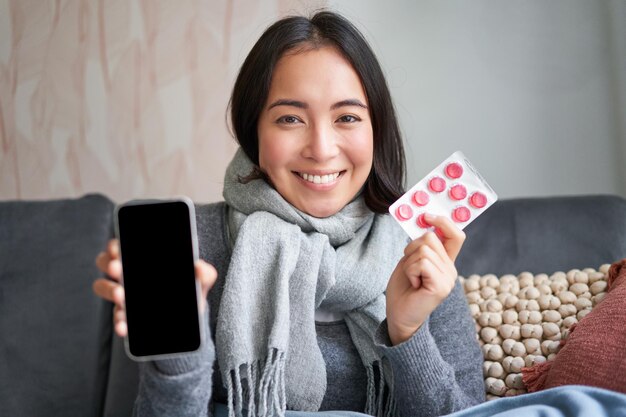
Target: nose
(322, 144)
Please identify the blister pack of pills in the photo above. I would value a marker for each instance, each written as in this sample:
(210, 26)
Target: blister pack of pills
(454, 189)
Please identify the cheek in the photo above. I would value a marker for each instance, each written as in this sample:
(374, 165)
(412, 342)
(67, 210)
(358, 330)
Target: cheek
(271, 155)
(362, 151)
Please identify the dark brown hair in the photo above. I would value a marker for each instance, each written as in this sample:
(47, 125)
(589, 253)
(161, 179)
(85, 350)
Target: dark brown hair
(385, 182)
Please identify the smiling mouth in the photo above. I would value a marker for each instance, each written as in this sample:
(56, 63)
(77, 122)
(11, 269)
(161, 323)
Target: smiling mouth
(319, 179)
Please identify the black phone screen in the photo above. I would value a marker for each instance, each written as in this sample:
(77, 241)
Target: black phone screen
(157, 250)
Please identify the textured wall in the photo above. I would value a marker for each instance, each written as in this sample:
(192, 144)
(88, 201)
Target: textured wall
(127, 98)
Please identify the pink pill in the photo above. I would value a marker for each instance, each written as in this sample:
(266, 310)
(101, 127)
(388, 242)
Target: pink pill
(478, 200)
(454, 170)
(461, 214)
(457, 192)
(421, 198)
(437, 184)
(421, 222)
(404, 212)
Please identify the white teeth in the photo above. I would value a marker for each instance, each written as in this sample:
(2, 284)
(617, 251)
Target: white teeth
(319, 179)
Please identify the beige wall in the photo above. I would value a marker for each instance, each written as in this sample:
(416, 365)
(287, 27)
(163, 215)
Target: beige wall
(123, 97)
(128, 97)
(532, 91)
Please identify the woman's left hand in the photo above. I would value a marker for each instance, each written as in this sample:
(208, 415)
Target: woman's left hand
(423, 278)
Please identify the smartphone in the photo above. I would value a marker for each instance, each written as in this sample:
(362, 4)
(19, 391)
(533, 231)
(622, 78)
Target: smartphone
(158, 248)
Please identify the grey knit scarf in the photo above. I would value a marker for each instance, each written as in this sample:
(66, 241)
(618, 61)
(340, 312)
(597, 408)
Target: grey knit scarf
(285, 264)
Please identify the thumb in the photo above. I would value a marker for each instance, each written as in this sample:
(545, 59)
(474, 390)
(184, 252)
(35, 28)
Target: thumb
(206, 274)
(451, 236)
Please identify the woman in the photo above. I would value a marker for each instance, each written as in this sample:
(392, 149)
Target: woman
(320, 301)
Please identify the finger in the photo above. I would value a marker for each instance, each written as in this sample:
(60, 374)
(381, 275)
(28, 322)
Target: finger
(428, 239)
(121, 328)
(415, 244)
(433, 250)
(102, 261)
(119, 314)
(432, 241)
(430, 277)
(427, 268)
(451, 236)
(443, 261)
(419, 271)
(112, 267)
(206, 274)
(119, 321)
(113, 247)
(109, 290)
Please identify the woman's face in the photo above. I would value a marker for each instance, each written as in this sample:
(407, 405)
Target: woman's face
(315, 133)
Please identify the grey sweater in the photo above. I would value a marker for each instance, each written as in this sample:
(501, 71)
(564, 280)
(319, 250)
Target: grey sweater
(436, 372)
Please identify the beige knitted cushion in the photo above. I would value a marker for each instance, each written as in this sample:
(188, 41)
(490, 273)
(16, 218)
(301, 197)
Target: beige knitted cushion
(521, 319)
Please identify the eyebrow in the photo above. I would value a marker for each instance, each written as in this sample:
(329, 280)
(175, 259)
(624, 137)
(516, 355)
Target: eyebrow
(348, 103)
(303, 105)
(287, 102)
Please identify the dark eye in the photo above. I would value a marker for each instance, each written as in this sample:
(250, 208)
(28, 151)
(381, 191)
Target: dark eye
(348, 118)
(288, 120)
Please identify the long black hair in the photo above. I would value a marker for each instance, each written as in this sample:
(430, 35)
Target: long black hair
(385, 182)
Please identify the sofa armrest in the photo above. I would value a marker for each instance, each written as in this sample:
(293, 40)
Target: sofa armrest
(49, 316)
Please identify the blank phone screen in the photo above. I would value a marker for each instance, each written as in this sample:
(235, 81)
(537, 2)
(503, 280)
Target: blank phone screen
(159, 279)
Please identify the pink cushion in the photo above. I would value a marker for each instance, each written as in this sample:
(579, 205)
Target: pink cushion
(595, 352)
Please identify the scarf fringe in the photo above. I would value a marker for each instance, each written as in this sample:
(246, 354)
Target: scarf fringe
(262, 383)
(380, 399)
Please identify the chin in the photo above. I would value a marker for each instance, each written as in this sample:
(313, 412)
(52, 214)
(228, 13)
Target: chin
(321, 212)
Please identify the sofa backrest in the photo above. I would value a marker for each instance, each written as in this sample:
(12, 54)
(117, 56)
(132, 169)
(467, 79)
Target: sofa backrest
(58, 354)
(545, 235)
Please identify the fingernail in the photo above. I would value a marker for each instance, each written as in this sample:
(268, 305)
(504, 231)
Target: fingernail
(122, 328)
(117, 293)
(429, 216)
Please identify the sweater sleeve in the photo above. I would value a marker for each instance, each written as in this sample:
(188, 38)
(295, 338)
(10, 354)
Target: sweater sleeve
(439, 369)
(177, 387)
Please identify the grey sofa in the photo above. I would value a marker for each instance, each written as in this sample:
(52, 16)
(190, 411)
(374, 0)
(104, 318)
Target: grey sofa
(58, 355)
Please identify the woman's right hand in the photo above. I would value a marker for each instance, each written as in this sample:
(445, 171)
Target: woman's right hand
(110, 288)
